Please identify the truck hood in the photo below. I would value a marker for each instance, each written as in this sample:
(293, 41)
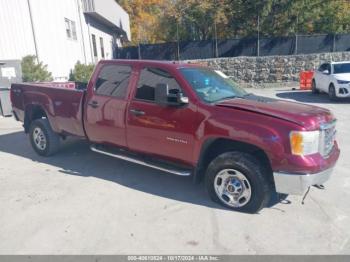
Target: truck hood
(307, 116)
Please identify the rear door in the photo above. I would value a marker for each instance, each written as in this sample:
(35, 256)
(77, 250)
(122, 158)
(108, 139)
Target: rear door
(166, 131)
(106, 103)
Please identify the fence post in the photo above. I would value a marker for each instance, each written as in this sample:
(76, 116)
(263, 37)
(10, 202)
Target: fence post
(334, 35)
(296, 35)
(139, 51)
(258, 44)
(178, 41)
(216, 41)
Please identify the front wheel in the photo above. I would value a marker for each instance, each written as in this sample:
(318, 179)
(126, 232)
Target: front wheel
(237, 181)
(44, 140)
(314, 87)
(332, 93)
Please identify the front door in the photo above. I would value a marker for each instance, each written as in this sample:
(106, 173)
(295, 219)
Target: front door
(322, 78)
(166, 131)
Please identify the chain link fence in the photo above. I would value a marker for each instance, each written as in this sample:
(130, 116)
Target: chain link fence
(271, 46)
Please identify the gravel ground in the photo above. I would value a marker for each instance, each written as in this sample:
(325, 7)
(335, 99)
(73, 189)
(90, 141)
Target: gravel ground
(79, 202)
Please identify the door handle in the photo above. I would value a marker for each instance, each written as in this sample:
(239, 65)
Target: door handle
(93, 104)
(137, 112)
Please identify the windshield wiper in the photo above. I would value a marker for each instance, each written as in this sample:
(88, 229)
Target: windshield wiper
(227, 98)
(233, 97)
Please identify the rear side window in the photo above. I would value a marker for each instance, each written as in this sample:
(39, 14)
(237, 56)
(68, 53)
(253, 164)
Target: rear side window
(149, 78)
(113, 80)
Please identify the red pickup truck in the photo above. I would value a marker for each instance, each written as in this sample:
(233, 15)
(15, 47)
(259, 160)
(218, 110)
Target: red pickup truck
(187, 120)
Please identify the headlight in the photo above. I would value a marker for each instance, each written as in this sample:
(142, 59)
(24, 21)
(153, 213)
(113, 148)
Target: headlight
(343, 82)
(304, 142)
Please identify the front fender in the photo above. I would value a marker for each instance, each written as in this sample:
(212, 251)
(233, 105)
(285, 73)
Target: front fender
(268, 134)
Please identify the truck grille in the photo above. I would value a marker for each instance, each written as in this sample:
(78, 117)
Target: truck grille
(327, 138)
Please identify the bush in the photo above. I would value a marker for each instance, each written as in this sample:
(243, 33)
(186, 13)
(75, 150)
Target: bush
(32, 71)
(81, 72)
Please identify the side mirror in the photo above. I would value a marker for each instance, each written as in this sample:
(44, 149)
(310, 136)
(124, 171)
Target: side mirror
(181, 99)
(164, 96)
(325, 72)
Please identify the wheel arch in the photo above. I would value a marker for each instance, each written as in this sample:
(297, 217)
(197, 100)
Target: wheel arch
(213, 147)
(33, 112)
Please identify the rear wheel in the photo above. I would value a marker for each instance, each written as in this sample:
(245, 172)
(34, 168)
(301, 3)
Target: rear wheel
(44, 140)
(314, 87)
(332, 94)
(237, 181)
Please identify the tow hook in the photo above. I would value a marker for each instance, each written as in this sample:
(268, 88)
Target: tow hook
(306, 193)
(321, 187)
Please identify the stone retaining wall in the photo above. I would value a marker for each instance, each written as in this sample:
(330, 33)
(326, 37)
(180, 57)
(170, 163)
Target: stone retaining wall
(257, 71)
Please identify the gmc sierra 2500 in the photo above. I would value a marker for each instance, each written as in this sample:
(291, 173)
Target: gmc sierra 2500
(187, 120)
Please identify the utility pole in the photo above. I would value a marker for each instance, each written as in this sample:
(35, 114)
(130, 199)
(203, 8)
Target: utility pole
(334, 33)
(81, 31)
(216, 39)
(215, 30)
(33, 31)
(178, 40)
(177, 17)
(296, 35)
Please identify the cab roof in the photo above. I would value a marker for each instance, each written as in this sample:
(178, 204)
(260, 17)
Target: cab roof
(154, 63)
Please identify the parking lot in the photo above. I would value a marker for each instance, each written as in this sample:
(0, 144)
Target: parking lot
(79, 202)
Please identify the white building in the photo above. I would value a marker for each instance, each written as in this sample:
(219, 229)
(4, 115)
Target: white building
(61, 32)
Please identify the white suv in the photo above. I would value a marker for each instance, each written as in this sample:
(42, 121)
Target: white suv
(332, 78)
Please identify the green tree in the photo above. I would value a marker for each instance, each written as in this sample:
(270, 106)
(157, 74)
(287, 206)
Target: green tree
(32, 71)
(287, 17)
(81, 72)
(161, 20)
(145, 17)
(195, 19)
(334, 17)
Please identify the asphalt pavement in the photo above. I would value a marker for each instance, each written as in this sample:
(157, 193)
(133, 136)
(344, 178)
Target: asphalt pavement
(80, 202)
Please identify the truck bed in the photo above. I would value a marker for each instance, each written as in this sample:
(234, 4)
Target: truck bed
(63, 106)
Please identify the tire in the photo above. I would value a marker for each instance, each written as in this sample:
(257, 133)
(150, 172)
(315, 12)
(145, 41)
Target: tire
(254, 178)
(43, 139)
(332, 94)
(314, 87)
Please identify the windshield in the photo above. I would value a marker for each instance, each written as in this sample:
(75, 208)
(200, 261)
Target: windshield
(341, 68)
(211, 86)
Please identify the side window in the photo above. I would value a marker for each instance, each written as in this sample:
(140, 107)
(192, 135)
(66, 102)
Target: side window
(149, 78)
(322, 67)
(113, 80)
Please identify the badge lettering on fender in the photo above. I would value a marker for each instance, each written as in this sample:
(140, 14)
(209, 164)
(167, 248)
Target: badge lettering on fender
(176, 140)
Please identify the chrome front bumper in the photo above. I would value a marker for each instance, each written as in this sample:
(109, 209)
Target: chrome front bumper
(297, 184)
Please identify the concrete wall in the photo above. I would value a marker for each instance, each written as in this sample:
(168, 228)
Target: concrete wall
(54, 48)
(271, 69)
(16, 38)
